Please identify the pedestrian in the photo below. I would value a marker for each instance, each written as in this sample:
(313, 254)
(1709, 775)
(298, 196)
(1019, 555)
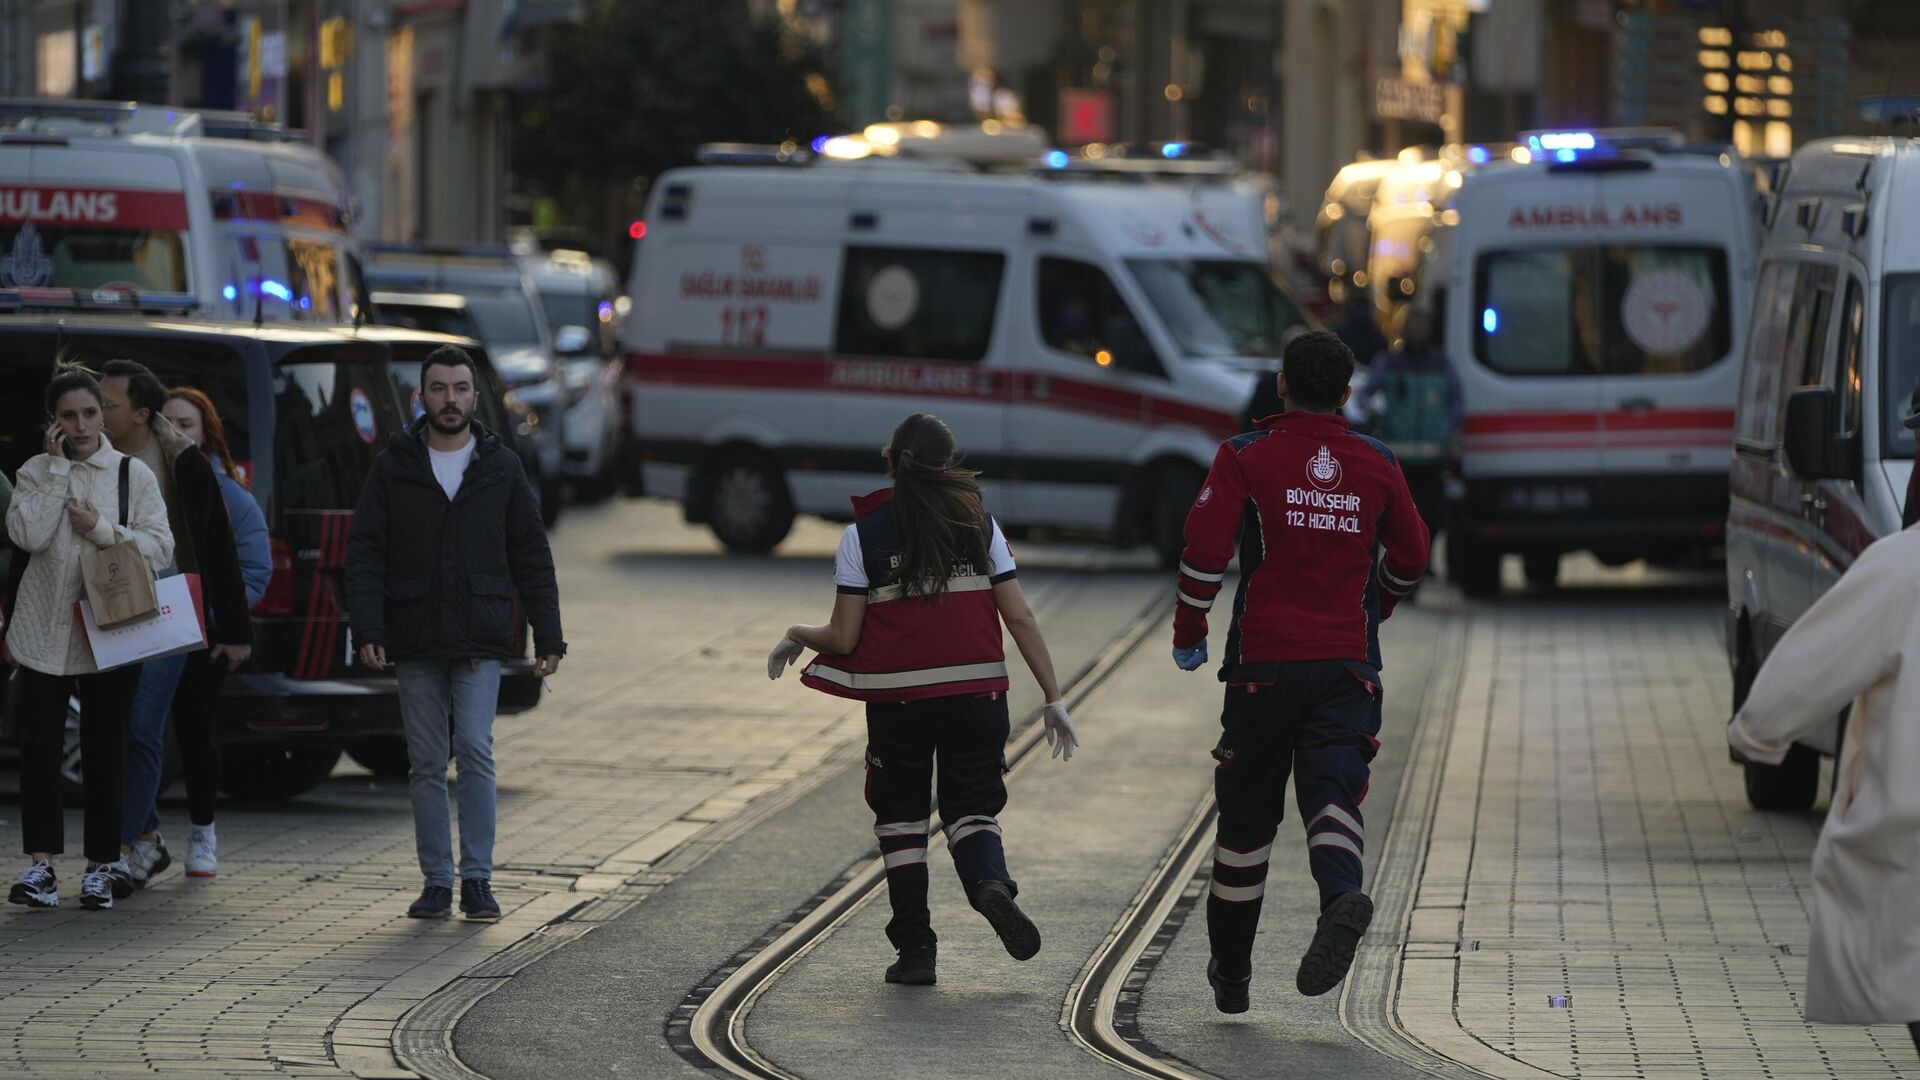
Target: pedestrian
(446, 534)
(1419, 411)
(203, 545)
(1853, 646)
(78, 491)
(925, 580)
(1358, 329)
(197, 703)
(1301, 693)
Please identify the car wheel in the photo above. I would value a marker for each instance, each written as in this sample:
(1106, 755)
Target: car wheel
(1790, 786)
(1173, 489)
(384, 755)
(1473, 567)
(275, 773)
(747, 502)
(1542, 568)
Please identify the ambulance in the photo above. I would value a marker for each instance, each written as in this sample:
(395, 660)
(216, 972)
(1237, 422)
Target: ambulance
(1090, 344)
(1822, 456)
(113, 197)
(1597, 319)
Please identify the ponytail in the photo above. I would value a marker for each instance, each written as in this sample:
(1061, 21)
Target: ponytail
(943, 519)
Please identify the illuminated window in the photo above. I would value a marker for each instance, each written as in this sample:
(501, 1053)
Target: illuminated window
(1779, 138)
(1717, 82)
(1779, 108)
(1784, 62)
(1747, 106)
(1743, 137)
(1756, 61)
(1715, 35)
(1780, 85)
(1750, 84)
(1714, 58)
(1715, 105)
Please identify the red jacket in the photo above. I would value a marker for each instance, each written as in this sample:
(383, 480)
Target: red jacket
(1307, 501)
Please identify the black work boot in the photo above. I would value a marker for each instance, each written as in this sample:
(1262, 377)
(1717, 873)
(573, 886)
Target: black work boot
(1334, 942)
(1229, 995)
(914, 968)
(1017, 932)
(434, 903)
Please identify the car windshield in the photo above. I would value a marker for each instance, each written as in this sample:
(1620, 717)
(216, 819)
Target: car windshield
(570, 307)
(1218, 307)
(432, 318)
(506, 317)
(1900, 360)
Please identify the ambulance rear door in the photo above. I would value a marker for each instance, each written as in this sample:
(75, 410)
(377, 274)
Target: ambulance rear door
(923, 314)
(1673, 288)
(1527, 350)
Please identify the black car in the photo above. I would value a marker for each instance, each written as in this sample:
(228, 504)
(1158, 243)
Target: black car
(306, 411)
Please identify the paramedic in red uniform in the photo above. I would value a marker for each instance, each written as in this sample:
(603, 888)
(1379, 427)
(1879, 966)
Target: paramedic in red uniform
(1306, 500)
(925, 579)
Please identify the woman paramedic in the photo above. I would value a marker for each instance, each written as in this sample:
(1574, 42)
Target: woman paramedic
(925, 579)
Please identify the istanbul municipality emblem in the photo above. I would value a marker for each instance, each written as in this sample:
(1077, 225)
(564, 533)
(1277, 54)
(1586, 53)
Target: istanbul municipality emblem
(1323, 471)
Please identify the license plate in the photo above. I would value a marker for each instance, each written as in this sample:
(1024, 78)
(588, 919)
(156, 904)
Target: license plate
(1546, 498)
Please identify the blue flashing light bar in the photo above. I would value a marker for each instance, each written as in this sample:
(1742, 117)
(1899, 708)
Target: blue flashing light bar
(1173, 150)
(1477, 155)
(1489, 320)
(1562, 140)
(1564, 154)
(277, 291)
(229, 292)
(819, 143)
(1057, 159)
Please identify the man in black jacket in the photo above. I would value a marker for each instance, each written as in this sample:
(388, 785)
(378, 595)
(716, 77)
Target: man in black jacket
(203, 545)
(447, 531)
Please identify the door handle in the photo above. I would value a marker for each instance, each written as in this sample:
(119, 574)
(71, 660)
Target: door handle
(1638, 404)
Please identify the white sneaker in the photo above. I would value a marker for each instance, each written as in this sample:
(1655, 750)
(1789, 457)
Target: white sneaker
(203, 859)
(147, 860)
(36, 887)
(96, 887)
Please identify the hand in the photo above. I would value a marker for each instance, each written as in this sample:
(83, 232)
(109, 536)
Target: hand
(783, 656)
(55, 441)
(546, 666)
(1191, 659)
(234, 655)
(82, 516)
(1060, 733)
(374, 656)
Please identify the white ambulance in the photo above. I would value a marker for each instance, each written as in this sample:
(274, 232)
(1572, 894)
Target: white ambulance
(119, 197)
(1090, 344)
(1596, 321)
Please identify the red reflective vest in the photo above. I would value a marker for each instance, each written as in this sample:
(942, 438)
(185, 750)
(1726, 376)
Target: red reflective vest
(911, 647)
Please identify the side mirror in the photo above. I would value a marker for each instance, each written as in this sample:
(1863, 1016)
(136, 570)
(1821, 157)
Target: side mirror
(572, 340)
(1812, 451)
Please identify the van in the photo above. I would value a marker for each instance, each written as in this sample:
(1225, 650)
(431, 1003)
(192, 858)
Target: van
(306, 412)
(1091, 344)
(119, 197)
(1596, 320)
(1821, 460)
(1411, 225)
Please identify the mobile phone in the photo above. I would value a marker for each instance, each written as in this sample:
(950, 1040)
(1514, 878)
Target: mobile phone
(66, 444)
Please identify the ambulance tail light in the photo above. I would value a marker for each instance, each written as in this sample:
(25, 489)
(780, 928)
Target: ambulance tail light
(277, 602)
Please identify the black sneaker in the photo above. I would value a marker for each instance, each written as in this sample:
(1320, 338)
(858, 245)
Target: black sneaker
(434, 903)
(1016, 931)
(1229, 995)
(476, 900)
(914, 968)
(1334, 942)
(36, 887)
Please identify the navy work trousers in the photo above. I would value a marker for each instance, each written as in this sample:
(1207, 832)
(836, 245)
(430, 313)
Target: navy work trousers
(1318, 720)
(966, 738)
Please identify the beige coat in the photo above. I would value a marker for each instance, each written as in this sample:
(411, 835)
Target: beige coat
(42, 633)
(1861, 643)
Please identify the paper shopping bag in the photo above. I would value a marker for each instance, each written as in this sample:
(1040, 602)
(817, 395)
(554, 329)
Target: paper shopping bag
(177, 626)
(120, 587)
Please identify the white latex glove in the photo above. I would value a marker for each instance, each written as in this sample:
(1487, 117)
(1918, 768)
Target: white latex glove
(783, 656)
(1060, 733)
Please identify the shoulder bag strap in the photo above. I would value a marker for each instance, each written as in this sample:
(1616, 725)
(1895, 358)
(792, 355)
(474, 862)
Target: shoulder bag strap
(126, 473)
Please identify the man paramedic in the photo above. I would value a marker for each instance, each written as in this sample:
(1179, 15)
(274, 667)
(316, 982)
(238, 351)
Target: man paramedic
(1307, 501)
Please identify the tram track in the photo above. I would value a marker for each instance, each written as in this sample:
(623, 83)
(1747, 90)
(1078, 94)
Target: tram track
(709, 1029)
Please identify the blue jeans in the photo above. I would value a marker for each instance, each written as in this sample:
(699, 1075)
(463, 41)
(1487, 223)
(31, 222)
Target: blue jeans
(147, 746)
(442, 700)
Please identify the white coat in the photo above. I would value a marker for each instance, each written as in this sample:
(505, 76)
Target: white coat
(1860, 643)
(42, 633)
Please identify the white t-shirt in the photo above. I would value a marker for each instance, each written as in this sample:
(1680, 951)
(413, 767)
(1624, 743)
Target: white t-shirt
(450, 466)
(850, 567)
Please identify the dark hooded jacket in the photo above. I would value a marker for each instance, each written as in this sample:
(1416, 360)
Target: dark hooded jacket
(433, 578)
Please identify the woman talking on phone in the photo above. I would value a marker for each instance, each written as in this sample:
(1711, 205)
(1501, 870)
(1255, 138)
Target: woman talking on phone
(65, 499)
(925, 579)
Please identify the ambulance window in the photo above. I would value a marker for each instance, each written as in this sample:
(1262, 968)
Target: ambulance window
(1806, 350)
(313, 275)
(1766, 347)
(153, 260)
(919, 304)
(1845, 378)
(1666, 309)
(1536, 312)
(1082, 313)
(1899, 360)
